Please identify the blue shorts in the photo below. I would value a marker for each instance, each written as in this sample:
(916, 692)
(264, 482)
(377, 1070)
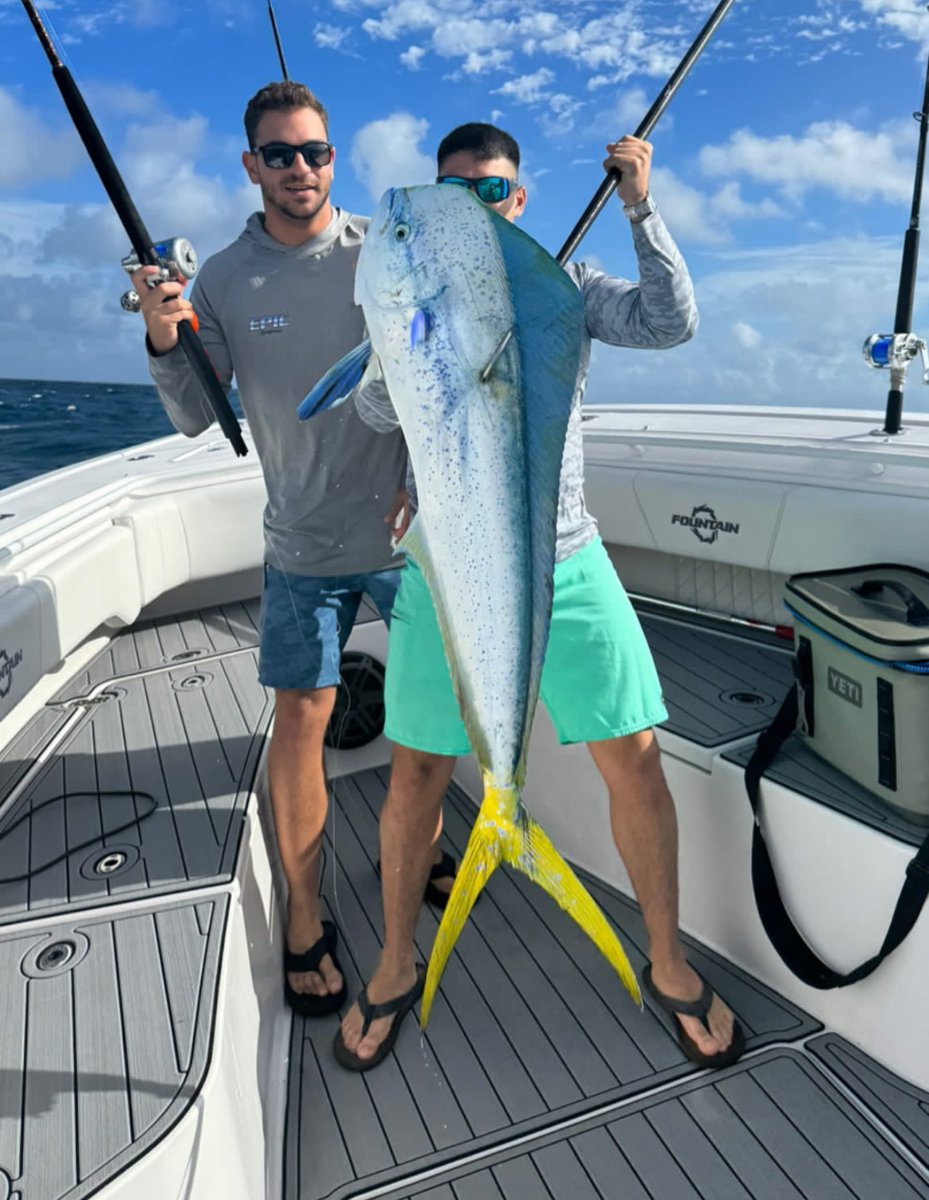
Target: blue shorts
(306, 621)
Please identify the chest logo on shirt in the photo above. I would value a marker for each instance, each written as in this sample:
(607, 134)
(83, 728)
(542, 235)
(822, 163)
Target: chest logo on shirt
(273, 324)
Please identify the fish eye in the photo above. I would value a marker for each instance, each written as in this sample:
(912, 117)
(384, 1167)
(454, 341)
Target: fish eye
(402, 232)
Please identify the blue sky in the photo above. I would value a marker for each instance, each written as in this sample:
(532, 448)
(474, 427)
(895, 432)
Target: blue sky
(783, 167)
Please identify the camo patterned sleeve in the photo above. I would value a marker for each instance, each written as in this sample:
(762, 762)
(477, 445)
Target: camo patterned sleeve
(657, 312)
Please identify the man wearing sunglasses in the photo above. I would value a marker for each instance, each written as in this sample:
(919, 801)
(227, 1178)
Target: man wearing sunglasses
(599, 684)
(276, 308)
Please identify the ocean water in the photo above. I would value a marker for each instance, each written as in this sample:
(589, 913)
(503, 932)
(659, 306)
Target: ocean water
(48, 424)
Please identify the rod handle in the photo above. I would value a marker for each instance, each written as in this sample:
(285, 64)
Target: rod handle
(213, 390)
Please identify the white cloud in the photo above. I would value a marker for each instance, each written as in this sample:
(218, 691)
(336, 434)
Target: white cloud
(32, 151)
(456, 38)
(60, 279)
(617, 46)
(413, 57)
(386, 153)
(904, 17)
(747, 335)
(559, 120)
(829, 154)
(478, 63)
(404, 16)
(331, 37)
(527, 89)
(629, 109)
(706, 218)
(124, 99)
(779, 327)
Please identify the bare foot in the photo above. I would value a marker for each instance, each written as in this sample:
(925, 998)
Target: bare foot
(682, 982)
(304, 929)
(385, 984)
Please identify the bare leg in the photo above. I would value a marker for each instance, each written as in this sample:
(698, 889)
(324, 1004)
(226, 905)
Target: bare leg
(410, 827)
(644, 827)
(299, 802)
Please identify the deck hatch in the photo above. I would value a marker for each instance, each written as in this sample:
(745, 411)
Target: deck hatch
(770, 1128)
(104, 1045)
(193, 750)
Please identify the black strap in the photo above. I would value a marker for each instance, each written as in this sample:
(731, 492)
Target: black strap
(916, 611)
(784, 935)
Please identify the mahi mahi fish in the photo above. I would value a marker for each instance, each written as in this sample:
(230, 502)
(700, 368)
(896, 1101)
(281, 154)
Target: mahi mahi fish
(442, 279)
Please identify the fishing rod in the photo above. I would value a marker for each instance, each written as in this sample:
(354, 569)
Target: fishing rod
(648, 123)
(177, 254)
(613, 177)
(897, 350)
(277, 40)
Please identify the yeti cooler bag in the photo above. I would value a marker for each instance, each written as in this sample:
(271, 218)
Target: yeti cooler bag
(862, 703)
(862, 664)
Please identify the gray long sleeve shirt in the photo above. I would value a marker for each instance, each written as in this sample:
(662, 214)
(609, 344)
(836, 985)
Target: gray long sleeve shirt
(657, 312)
(277, 317)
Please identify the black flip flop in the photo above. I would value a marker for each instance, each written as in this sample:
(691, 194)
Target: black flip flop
(304, 1003)
(398, 1008)
(696, 1008)
(445, 868)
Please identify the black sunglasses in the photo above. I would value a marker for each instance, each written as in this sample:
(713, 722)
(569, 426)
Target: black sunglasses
(280, 156)
(491, 188)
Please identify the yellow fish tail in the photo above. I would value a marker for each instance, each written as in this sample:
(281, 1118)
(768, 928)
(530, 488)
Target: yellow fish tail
(504, 831)
(481, 858)
(545, 866)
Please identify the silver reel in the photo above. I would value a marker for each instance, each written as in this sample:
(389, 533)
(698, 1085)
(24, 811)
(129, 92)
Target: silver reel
(176, 258)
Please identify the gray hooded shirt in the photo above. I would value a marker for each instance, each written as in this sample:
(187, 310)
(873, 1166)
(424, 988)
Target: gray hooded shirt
(277, 317)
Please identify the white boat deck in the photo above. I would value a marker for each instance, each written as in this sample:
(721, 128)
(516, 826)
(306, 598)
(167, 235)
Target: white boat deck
(537, 1076)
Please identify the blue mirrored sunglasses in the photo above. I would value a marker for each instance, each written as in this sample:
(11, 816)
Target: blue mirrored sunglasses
(491, 188)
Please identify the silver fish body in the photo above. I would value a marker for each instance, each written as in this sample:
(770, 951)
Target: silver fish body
(442, 279)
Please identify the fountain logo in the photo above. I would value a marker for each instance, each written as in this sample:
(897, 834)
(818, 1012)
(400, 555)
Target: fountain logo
(8, 664)
(704, 523)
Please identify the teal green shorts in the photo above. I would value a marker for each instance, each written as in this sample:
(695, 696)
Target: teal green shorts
(599, 680)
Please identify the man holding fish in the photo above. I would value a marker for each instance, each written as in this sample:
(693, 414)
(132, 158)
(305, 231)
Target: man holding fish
(483, 342)
(273, 307)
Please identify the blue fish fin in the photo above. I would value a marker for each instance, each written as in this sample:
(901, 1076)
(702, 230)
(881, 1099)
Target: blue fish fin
(550, 323)
(420, 327)
(338, 383)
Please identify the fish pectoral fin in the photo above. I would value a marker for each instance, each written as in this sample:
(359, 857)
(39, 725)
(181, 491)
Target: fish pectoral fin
(339, 381)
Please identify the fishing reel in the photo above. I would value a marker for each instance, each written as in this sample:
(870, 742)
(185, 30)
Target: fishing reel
(176, 258)
(896, 351)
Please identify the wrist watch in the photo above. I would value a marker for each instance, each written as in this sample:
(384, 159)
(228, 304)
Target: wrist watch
(638, 212)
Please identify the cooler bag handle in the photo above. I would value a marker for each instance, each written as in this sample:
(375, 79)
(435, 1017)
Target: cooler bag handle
(916, 611)
(786, 939)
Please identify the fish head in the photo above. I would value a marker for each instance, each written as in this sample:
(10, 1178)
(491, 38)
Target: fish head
(414, 245)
